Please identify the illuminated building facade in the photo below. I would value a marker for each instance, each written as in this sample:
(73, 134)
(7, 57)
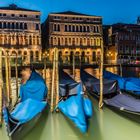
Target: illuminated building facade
(74, 34)
(20, 33)
(122, 42)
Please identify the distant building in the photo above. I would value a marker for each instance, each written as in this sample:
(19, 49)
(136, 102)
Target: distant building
(20, 32)
(74, 34)
(122, 43)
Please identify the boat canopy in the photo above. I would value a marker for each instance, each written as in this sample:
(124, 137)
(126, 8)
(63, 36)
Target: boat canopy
(126, 84)
(124, 102)
(35, 88)
(66, 81)
(93, 84)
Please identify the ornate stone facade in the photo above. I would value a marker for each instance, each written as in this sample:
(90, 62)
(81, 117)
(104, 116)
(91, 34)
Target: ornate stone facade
(73, 33)
(20, 33)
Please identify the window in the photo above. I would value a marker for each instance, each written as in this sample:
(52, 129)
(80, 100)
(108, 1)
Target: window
(56, 18)
(13, 15)
(37, 16)
(0, 25)
(69, 28)
(25, 26)
(37, 26)
(65, 18)
(0, 14)
(4, 15)
(54, 27)
(73, 28)
(25, 15)
(66, 28)
(84, 28)
(8, 25)
(66, 41)
(21, 25)
(58, 27)
(88, 29)
(77, 28)
(17, 26)
(20, 15)
(4, 25)
(13, 26)
(81, 29)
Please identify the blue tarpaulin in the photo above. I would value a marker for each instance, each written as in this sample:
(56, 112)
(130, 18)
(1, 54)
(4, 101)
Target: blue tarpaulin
(73, 109)
(35, 88)
(76, 107)
(27, 110)
(33, 94)
(93, 84)
(124, 102)
(127, 84)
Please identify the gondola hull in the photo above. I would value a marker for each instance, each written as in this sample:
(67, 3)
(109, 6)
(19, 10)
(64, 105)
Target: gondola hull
(24, 129)
(127, 114)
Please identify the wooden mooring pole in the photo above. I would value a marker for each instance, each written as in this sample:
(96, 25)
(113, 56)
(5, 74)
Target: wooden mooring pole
(73, 66)
(53, 78)
(7, 77)
(16, 72)
(1, 86)
(57, 77)
(101, 76)
(45, 66)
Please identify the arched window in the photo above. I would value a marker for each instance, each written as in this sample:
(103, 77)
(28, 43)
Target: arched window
(4, 25)
(88, 29)
(69, 28)
(73, 41)
(66, 41)
(81, 41)
(81, 29)
(73, 28)
(77, 28)
(30, 40)
(17, 26)
(84, 28)
(59, 42)
(13, 26)
(51, 40)
(0, 25)
(9, 25)
(58, 27)
(54, 27)
(21, 25)
(25, 26)
(88, 42)
(66, 28)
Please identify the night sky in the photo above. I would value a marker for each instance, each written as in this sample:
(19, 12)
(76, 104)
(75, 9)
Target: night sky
(113, 11)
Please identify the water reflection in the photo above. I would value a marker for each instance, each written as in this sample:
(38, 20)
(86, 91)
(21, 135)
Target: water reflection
(104, 125)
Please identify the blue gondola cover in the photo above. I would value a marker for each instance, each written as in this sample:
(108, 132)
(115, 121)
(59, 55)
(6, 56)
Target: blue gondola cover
(127, 84)
(35, 88)
(76, 109)
(27, 110)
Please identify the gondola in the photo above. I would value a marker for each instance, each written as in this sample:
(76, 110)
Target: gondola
(72, 102)
(92, 84)
(130, 85)
(29, 110)
(123, 104)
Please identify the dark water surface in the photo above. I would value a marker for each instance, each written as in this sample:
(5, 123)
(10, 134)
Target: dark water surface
(104, 125)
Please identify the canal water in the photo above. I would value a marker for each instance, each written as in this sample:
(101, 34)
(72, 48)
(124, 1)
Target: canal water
(104, 125)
